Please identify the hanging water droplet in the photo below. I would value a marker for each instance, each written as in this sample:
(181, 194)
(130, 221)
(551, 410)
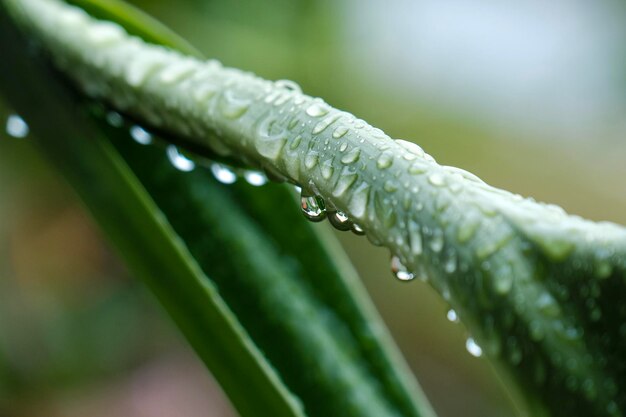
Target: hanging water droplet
(114, 119)
(255, 178)
(312, 207)
(473, 348)
(357, 230)
(140, 135)
(340, 220)
(179, 162)
(17, 127)
(223, 174)
(452, 316)
(317, 109)
(399, 270)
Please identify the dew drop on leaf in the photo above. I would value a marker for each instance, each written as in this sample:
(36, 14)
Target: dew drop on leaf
(223, 174)
(140, 135)
(312, 208)
(255, 178)
(399, 270)
(17, 127)
(114, 119)
(179, 161)
(340, 220)
(452, 316)
(473, 348)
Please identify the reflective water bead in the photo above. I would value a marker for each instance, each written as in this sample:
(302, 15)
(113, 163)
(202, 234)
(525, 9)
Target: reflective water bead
(317, 109)
(255, 178)
(399, 270)
(312, 208)
(357, 230)
(140, 135)
(452, 316)
(340, 132)
(179, 162)
(223, 174)
(17, 127)
(473, 348)
(340, 220)
(114, 119)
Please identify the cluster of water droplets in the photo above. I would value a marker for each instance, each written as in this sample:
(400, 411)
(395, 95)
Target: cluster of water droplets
(316, 209)
(182, 161)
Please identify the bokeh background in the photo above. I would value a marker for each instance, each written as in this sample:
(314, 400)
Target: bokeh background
(529, 95)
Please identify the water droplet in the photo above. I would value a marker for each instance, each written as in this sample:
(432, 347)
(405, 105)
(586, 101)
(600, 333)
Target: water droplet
(223, 174)
(139, 69)
(384, 160)
(114, 119)
(358, 202)
(340, 132)
(390, 186)
(450, 265)
(323, 124)
(399, 270)
(437, 180)
(311, 159)
(414, 148)
(177, 70)
(452, 316)
(351, 157)
(327, 169)
(140, 135)
(343, 147)
(255, 178)
(340, 220)
(179, 162)
(233, 107)
(289, 85)
(467, 229)
(415, 237)
(102, 33)
(17, 127)
(357, 230)
(436, 241)
(417, 168)
(270, 144)
(312, 208)
(317, 109)
(345, 181)
(473, 348)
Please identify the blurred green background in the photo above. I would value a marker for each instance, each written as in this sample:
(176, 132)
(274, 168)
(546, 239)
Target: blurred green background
(529, 95)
